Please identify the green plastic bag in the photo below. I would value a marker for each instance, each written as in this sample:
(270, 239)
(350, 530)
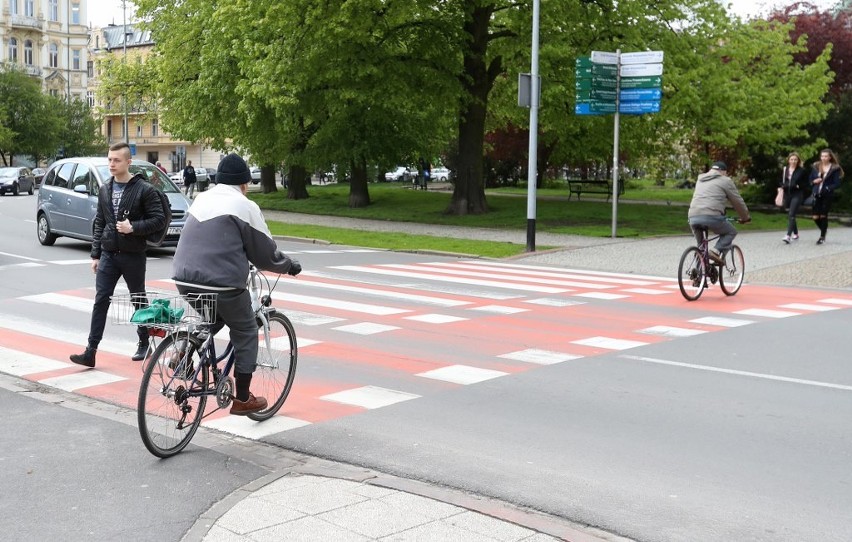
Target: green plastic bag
(158, 312)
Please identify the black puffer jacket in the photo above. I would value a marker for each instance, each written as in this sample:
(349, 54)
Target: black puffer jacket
(142, 207)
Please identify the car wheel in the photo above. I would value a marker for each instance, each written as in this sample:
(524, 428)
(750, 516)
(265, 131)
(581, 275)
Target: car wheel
(15, 189)
(45, 237)
(31, 190)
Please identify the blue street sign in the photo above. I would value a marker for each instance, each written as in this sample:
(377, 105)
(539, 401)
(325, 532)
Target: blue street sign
(640, 94)
(585, 109)
(639, 108)
(132, 149)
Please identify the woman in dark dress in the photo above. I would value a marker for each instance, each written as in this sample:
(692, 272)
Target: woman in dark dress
(825, 178)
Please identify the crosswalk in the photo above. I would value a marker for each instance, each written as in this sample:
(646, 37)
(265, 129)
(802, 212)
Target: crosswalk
(372, 336)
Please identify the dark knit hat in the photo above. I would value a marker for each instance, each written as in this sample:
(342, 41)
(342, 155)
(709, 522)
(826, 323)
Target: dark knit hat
(233, 170)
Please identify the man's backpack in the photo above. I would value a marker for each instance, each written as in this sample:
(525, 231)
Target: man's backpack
(156, 238)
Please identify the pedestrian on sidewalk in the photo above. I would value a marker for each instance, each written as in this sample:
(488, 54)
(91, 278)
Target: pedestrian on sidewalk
(714, 191)
(795, 181)
(189, 179)
(123, 219)
(224, 232)
(825, 177)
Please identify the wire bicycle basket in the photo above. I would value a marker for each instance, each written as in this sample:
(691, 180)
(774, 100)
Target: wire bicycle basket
(165, 310)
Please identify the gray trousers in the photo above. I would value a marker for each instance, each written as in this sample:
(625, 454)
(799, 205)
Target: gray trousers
(233, 308)
(717, 224)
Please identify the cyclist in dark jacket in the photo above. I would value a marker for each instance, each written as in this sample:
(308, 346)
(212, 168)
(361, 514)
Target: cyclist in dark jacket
(124, 217)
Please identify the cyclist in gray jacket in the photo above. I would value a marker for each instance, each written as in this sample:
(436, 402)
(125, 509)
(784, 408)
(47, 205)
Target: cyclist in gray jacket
(714, 192)
(225, 231)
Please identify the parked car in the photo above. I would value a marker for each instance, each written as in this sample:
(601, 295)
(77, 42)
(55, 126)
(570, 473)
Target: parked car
(38, 175)
(16, 180)
(440, 174)
(68, 198)
(401, 173)
(255, 174)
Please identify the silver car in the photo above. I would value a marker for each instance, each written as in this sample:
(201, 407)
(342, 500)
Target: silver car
(16, 180)
(68, 198)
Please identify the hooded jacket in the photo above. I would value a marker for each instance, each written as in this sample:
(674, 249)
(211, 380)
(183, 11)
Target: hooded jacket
(713, 193)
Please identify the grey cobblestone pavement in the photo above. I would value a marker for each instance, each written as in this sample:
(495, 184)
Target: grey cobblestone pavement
(327, 505)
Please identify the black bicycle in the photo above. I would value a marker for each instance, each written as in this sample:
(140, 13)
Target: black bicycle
(697, 270)
(185, 370)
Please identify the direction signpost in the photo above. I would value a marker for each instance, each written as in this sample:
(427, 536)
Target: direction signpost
(629, 83)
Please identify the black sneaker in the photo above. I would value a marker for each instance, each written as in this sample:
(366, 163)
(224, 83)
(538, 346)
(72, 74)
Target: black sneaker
(821, 240)
(86, 359)
(143, 350)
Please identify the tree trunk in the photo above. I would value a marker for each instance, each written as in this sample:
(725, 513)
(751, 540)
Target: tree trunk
(297, 182)
(267, 179)
(477, 79)
(359, 195)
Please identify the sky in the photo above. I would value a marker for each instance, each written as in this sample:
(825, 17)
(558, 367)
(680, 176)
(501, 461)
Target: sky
(103, 12)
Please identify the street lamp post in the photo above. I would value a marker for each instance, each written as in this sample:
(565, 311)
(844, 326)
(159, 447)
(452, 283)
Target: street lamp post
(532, 166)
(124, 61)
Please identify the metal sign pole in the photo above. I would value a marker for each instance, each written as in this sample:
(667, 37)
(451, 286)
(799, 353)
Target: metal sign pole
(615, 145)
(532, 166)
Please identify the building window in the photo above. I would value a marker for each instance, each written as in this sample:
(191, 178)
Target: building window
(29, 8)
(13, 50)
(90, 68)
(53, 54)
(28, 52)
(75, 59)
(53, 92)
(53, 10)
(139, 129)
(90, 98)
(75, 13)
(13, 7)
(155, 127)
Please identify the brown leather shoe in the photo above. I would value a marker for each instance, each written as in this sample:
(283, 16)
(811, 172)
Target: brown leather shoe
(250, 406)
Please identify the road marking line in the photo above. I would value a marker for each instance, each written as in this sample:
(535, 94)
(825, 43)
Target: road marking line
(435, 318)
(601, 295)
(338, 304)
(609, 343)
(627, 276)
(721, 322)
(528, 273)
(83, 379)
(20, 257)
(457, 280)
(428, 300)
(836, 301)
(740, 373)
(19, 363)
(554, 302)
(20, 265)
(369, 397)
(243, 427)
(70, 262)
(648, 291)
(365, 328)
(462, 374)
(539, 357)
(499, 276)
(499, 309)
(808, 307)
(768, 313)
(669, 331)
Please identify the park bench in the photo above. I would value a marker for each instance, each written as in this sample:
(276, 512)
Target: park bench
(591, 186)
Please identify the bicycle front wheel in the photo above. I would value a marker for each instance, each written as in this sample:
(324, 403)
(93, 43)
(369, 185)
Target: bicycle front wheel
(691, 274)
(171, 397)
(732, 274)
(276, 365)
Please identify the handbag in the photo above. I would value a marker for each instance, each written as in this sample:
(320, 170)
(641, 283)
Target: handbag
(779, 198)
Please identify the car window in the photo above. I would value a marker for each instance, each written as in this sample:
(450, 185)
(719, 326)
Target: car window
(154, 176)
(48, 179)
(64, 175)
(82, 177)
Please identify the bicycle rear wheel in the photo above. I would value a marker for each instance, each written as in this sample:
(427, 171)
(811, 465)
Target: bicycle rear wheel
(277, 354)
(691, 274)
(732, 274)
(171, 397)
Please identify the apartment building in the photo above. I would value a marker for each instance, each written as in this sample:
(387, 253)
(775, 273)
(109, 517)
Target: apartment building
(137, 123)
(48, 40)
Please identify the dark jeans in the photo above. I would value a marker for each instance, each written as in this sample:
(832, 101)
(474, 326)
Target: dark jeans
(233, 308)
(793, 201)
(113, 266)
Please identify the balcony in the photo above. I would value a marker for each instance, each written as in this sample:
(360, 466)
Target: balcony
(32, 70)
(20, 21)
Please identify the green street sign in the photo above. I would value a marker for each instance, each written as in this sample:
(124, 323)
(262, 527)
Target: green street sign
(583, 71)
(583, 62)
(583, 96)
(602, 107)
(603, 95)
(604, 69)
(583, 84)
(600, 81)
(642, 82)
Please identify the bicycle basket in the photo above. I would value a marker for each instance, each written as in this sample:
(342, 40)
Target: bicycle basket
(164, 310)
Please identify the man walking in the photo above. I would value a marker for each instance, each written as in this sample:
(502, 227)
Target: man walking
(127, 212)
(189, 179)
